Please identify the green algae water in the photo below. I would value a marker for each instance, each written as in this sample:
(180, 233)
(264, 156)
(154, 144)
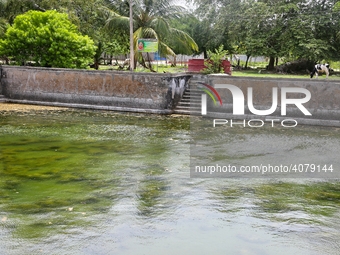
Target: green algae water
(90, 182)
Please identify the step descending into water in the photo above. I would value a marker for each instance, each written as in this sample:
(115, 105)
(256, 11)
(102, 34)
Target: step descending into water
(190, 102)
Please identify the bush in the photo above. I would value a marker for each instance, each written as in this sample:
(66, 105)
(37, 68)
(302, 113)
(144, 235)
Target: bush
(214, 63)
(47, 38)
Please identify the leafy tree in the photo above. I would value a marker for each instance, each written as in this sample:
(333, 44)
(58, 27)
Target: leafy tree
(277, 28)
(216, 24)
(120, 45)
(84, 14)
(49, 39)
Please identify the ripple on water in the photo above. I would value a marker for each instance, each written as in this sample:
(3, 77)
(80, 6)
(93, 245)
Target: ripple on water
(102, 183)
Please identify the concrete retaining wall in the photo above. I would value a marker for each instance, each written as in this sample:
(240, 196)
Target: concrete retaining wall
(160, 93)
(124, 91)
(323, 105)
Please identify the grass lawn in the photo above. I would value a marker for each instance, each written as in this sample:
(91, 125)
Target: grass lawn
(265, 73)
(245, 73)
(161, 69)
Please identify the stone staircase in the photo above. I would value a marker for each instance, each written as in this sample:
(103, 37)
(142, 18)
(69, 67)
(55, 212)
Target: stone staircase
(2, 99)
(190, 102)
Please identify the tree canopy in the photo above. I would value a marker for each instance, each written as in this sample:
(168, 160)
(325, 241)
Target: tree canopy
(276, 28)
(289, 29)
(47, 38)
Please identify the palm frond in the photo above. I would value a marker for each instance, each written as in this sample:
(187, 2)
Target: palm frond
(165, 50)
(3, 26)
(149, 32)
(183, 36)
(160, 25)
(181, 47)
(116, 21)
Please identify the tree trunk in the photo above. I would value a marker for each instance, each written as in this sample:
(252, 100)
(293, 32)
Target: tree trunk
(150, 66)
(271, 63)
(205, 54)
(245, 67)
(276, 61)
(132, 54)
(145, 65)
(6, 59)
(134, 62)
(37, 7)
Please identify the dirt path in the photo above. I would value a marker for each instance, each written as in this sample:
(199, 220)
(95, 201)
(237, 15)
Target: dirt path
(6, 107)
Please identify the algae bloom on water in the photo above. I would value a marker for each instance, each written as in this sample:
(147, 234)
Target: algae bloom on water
(96, 182)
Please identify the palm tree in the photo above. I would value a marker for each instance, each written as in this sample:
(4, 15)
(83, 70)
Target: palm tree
(98, 55)
(151, 20)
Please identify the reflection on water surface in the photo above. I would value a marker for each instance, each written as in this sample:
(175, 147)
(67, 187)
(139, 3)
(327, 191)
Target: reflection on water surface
(87, 182)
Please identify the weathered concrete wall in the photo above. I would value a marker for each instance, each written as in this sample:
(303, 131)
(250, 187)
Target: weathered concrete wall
(160, 93)
(324, 103)
(146, 92)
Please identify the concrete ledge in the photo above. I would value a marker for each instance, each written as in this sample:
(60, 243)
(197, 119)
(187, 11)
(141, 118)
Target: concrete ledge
(88, 106)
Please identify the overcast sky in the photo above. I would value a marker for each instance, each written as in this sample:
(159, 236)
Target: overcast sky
(184, 4)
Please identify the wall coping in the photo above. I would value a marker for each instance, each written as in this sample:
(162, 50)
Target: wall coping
(195, 75)
(219, 76)
(165, 75)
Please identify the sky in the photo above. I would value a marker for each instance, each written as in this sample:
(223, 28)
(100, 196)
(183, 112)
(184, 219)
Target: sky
(184, 4)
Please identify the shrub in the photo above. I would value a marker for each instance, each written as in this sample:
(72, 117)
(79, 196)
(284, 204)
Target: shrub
(47, 38)
(214, 63)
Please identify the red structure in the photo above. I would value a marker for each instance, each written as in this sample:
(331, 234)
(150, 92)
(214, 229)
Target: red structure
(197, 65)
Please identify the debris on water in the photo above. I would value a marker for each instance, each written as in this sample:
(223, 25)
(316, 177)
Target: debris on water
(70, 209)
(4, 219)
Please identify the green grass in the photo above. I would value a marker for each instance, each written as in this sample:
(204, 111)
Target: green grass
(243, 73)
(265, 73)
(161, 69)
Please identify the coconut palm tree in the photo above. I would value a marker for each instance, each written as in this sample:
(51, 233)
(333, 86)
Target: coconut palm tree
(151, 19)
